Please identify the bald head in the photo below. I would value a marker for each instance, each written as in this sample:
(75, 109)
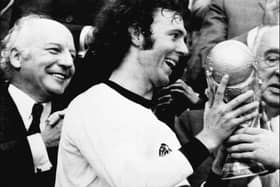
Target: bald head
(27, 31)
(32, 29)
(268, 38)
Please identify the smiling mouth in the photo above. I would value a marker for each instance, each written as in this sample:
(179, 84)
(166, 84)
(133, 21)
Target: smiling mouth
(171, 63)
(60, 76)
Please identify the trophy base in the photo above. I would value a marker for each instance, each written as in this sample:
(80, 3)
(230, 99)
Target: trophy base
(237, 170)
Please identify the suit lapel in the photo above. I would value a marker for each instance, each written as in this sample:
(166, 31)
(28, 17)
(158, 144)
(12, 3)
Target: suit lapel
(11, 122)
(17, 155)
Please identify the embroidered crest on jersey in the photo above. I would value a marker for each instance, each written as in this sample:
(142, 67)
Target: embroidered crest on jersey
(164, 150)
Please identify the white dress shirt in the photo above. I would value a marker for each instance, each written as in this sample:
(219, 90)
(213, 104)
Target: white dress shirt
(24, 105)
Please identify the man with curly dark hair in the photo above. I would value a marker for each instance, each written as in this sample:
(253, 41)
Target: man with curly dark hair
(110, 135)
(113, 36)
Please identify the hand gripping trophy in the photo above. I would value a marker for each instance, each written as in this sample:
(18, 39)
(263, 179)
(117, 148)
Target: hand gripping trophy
(235, 59)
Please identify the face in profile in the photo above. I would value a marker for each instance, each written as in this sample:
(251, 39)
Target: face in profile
(168, 36)
(46, 52)
(268, 65)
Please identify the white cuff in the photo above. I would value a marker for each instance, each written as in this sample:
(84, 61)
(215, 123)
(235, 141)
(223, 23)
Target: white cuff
(39, 153)
(202, 185)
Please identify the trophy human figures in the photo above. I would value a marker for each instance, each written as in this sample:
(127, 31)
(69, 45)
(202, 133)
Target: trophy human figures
(235, 59)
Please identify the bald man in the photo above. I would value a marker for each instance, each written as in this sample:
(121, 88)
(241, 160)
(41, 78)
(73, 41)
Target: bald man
(37, 61)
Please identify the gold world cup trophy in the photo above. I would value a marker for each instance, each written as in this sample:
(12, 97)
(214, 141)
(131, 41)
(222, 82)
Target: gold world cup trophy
(235, 59)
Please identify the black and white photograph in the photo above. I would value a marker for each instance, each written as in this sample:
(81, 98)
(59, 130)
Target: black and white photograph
(139, 93)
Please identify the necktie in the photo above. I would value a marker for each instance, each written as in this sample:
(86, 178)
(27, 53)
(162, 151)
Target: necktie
(36, 115)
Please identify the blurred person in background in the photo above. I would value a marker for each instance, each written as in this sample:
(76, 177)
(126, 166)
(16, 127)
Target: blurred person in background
(225, 19)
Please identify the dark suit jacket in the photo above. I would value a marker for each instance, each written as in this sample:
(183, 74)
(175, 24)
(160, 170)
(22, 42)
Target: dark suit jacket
(224, 20)
(16, 163)
(189, 124)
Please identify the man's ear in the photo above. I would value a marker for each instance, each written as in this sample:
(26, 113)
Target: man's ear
(15, 58)
(137, 38)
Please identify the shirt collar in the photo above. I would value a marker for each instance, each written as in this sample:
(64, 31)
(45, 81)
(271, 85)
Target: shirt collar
(130, 95)
(25, 103)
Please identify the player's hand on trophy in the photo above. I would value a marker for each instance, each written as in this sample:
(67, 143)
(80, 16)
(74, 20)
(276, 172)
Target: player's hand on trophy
(221, 119)
(257, 144)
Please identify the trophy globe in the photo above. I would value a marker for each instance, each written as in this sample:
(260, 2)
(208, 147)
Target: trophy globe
(235, 59)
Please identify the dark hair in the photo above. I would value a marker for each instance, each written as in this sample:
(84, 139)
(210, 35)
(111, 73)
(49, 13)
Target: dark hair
(112, 39)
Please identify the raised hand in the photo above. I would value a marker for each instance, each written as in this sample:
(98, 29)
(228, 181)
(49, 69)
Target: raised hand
(221, 119)
(176, 97)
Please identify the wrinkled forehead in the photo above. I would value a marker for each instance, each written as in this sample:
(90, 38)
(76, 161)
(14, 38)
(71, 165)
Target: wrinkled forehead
(269, 40)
